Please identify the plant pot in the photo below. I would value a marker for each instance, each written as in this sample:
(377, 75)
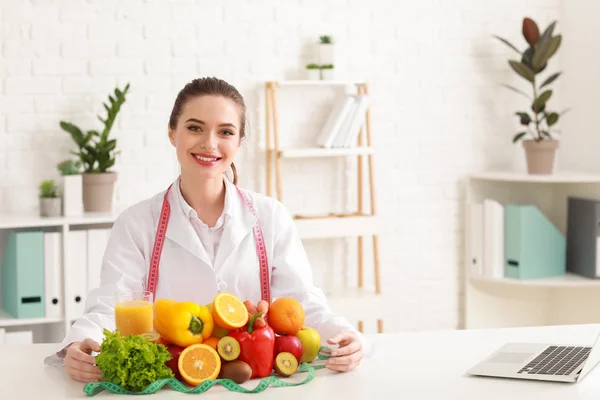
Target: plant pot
(50, 206)
(326, 54)
(98, 190)
(327, 74)
(72, 195)
(313, 74)
(540, 155)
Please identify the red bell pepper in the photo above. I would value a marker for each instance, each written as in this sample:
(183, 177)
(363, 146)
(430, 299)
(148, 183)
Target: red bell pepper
(256, 347)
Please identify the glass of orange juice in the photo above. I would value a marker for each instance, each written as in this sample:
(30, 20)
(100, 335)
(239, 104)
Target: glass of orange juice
(134, 313)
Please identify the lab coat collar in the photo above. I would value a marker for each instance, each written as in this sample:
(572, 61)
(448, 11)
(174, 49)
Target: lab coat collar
(191, 213)
(237, 226)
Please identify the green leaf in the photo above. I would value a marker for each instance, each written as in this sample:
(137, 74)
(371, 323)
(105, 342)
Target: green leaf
(518, 136)
(541, 101)
(550, 79)
(506, 42)
(552, 119)
(522, 70)
(548, 32)
(545, 51)
(524, 118)
(516, 90)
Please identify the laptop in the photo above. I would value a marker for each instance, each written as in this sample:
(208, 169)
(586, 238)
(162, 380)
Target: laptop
(539, 361)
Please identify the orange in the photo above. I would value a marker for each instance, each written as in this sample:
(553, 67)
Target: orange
(229, 312)
(199, 362)
(286, 316)
(212, 342)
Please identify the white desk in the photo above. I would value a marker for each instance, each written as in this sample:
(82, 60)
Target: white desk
(427, 365)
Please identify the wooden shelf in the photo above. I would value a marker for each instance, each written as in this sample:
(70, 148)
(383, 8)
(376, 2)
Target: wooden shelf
(325, 152)
(336, 226)
(567, 280)
(7, 320)
(16, 220)
(558, 177)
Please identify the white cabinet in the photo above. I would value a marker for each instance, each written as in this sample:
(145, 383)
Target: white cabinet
(502, 302)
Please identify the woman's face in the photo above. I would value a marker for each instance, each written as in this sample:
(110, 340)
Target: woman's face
(207, 136)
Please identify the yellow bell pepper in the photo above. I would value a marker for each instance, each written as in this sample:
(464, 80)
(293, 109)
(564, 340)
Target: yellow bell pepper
(182, 323)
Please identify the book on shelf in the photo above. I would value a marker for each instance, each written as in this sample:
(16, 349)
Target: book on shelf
(344, 123)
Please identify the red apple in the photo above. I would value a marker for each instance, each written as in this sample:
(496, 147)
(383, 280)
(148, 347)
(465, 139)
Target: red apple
(172, 363)
(290, 344)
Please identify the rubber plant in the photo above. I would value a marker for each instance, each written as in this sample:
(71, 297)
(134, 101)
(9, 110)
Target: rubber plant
(532, 61)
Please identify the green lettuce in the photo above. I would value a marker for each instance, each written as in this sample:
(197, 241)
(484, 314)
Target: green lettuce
(132, 362)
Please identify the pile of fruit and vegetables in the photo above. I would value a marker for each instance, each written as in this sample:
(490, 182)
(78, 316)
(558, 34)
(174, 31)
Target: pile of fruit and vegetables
(227, 339)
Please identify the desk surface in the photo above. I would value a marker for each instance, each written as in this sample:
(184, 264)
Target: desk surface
(424, 365)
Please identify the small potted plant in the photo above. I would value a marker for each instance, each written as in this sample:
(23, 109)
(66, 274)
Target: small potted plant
(72, 187)
(327, 72)
(540, 148)
(97, 154)
(313, 72)
(50, 204)
(326, 50)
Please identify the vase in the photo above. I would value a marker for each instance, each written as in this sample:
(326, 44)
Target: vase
(98, 191)
(313, 74)
(327, 74)
(540, 155)
(50, 206)
(326, 54)
(72, 195)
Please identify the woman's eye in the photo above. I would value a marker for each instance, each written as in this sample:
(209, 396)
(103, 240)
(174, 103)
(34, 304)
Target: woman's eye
(226, 132)
(194, 128)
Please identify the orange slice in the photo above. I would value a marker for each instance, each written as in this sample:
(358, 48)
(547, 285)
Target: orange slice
(199, 362)
(229, 312)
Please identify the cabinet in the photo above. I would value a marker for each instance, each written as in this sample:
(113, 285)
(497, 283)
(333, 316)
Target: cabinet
(503, 302)
(357, 303)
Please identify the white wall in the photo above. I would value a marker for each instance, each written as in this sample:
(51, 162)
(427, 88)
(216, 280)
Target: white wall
(580, 85)
(438, 111)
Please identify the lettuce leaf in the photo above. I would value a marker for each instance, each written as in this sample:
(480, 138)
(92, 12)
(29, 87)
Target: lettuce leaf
(132, 362)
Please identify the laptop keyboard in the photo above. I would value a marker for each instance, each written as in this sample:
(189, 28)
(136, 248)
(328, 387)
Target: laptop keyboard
(557, 360)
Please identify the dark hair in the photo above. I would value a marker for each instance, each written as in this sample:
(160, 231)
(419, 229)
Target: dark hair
(210, 86)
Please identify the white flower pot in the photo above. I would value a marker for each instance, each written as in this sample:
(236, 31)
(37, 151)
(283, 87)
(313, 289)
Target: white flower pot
(72, 191)
(328, 74)
(326, 54)
(50, 207)
(313, 74)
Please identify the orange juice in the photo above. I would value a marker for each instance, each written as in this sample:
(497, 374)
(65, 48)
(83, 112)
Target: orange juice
(134, 317)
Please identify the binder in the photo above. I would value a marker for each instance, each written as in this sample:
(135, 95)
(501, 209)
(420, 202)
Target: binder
(76, 273)
(53, 274)
(493, 238)
(534, 247)
(23, 275)
(583, 236)
(476, 239)
(97, 239)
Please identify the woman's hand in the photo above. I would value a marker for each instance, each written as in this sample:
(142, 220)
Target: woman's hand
(79, 362)
(348, 355)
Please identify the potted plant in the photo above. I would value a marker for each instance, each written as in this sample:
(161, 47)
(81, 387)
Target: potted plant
(97, 155)
(72, 187)
(326, 50)
(313, 72)
(50, 203)
(327, 72)
(540, 149)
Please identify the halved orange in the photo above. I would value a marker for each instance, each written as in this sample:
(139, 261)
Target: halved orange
(229, 312)
(212, 342)
(199, 362)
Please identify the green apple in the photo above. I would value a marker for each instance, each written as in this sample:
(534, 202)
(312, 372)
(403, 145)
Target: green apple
(311, 343)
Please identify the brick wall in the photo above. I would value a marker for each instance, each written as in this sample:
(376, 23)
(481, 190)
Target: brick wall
(438, 111)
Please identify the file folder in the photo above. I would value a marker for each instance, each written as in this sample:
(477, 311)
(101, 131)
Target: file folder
(53, 274)
(534, 247)
(76, 274)
(23, 275)
(583, 236)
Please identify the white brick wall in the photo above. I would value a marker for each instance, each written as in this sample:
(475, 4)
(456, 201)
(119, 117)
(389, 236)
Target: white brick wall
(438, 111)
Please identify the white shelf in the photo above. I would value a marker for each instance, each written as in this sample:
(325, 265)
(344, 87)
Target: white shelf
(325, 152)
(15, 220)
(317, 83)
(7, 320)
(337, 227)
(558, 177)
(567, 280)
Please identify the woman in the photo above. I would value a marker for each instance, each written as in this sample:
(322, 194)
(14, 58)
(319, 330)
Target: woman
(201, 233)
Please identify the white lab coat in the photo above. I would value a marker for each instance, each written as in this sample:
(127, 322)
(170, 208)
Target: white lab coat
(186, 274)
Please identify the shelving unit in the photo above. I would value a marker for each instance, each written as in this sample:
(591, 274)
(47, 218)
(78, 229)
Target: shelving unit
(47, 329)
(504, 302)
(360, 223)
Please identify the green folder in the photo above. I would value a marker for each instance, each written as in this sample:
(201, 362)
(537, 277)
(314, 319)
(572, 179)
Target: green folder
(534, 247)
(23, 275)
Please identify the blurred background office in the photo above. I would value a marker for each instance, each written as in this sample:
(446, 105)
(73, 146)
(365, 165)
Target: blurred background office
(437, 137)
